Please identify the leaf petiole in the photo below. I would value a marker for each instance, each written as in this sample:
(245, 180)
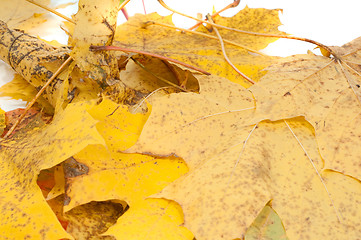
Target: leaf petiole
(115, 48)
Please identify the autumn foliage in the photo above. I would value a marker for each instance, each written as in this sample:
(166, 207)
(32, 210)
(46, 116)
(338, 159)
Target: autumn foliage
(147, 132)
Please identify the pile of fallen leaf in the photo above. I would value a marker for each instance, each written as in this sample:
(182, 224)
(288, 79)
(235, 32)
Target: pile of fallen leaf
(125, 145)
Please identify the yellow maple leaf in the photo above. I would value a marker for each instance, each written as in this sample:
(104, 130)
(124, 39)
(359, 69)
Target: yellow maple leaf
(217, 97)
(127, 177)
(240, 167)
(204, 52)
(22, 160)
(327, 92)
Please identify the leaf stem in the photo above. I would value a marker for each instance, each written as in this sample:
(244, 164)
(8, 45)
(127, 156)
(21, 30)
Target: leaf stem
(253, 33)
(225, 54)
(115, 48)
(51, 10)
(231, 5)
(18, 121)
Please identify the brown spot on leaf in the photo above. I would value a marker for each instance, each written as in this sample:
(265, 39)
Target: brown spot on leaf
(73, 168)
(287, 94)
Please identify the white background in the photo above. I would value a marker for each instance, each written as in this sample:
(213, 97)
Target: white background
(330, 22)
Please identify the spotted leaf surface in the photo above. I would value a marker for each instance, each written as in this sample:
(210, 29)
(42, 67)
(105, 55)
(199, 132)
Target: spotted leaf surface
(201, 51)
(25, 211)
(132, 178)
(326, 91)
(237, 166)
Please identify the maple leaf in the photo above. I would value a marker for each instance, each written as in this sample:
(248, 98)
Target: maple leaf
(217, 95)
(240, 167)
(326, 91)
(200, 51)
(127, 177)
(22, 160)
(95, 24)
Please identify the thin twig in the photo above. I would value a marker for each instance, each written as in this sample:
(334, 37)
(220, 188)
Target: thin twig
(206, 35)
(145, 12)
(115, 48)
(225, 54)
(252, 33)
(125, 13)
(18, 121)
(51, 10)
(231, 5)
(318, 174)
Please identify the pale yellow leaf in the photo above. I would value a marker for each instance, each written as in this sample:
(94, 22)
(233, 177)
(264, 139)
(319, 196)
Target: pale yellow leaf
(327, 92)
(236, 168)
(231, 105)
